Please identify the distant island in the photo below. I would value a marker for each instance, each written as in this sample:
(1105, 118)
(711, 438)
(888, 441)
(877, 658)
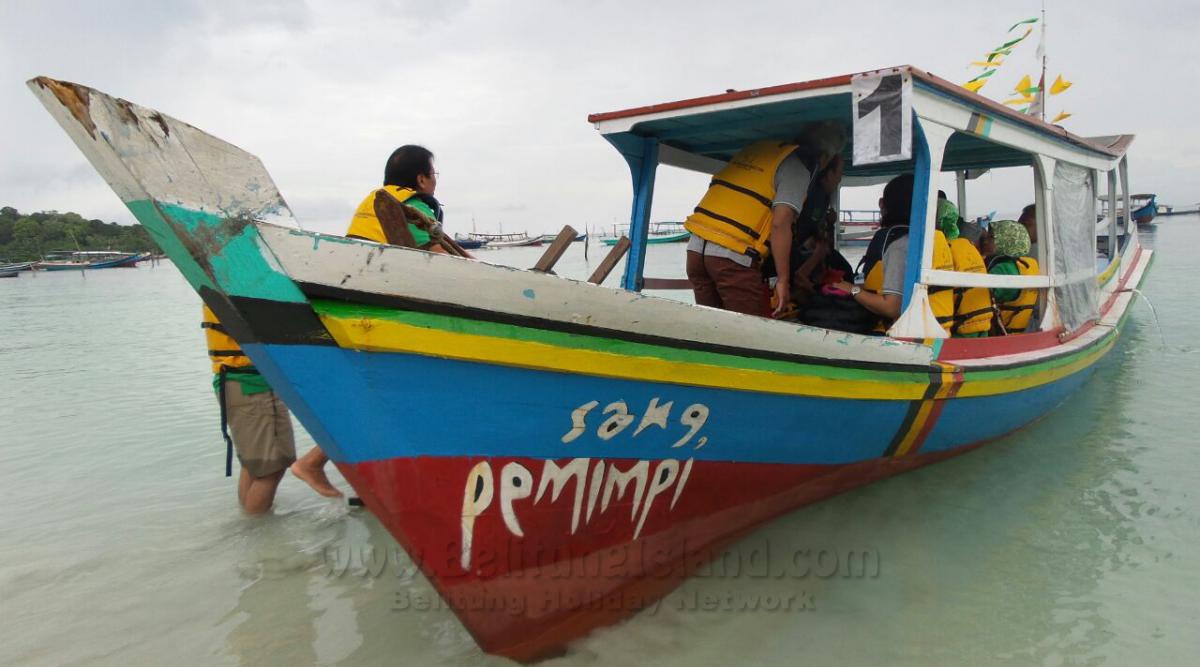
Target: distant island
(28, 236)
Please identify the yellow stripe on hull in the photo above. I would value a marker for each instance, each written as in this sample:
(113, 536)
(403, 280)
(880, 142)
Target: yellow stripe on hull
(380, 335)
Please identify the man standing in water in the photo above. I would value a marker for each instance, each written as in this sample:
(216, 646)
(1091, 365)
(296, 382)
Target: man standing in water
(754, 200)
(260, 425)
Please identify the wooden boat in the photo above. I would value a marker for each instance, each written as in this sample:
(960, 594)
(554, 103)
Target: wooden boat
(77, 260)
(620, 439)
(1164, 209)
(8, 274)
(467, 243)
(659, 232)
(15, 267)
(549, 238)
(506, 240)
(1145, 208)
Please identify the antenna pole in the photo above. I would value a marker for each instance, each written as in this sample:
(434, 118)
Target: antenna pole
(1042, 84)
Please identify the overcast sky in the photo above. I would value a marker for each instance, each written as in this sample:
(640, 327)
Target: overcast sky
(500, 91)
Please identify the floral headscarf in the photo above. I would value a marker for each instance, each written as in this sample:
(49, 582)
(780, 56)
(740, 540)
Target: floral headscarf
(947, 219)
(1012, 238)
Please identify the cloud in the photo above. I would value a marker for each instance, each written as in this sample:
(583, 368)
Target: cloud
(324, 91)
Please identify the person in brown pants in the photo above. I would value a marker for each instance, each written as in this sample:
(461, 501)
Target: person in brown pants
(752, 201)
(723, 283)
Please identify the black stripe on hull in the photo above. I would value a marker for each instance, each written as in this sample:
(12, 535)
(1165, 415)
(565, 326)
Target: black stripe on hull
(317, 291)
(251, 320)
(914, 409)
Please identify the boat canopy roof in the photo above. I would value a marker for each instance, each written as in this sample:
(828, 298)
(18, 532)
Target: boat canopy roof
(703, 133)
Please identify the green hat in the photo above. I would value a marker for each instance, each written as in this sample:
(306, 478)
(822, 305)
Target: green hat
(947, 219)
(1012, 238)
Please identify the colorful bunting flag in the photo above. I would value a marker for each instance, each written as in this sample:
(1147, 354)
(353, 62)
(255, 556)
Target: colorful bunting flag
(1021, 23)
(1059, 85)
(1061, 116)
(974, 86)
(984, 75)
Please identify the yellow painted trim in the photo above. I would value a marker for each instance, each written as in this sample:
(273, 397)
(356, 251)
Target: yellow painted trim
(389, 336)
(918, 424)
(1102, 279)
(977, 388)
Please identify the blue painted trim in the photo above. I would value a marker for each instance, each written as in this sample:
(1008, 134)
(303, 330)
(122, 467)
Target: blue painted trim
(644, 167)
(358, 406)
(916, 216)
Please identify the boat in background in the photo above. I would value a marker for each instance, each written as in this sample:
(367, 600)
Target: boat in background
(505, 240)
(659, 232)
(468, 243)
(549, 238)
(1164, 209)
(1144, 207)
(77, 260)
(11, 269)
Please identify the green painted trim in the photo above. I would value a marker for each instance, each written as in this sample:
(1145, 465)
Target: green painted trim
(349, 311)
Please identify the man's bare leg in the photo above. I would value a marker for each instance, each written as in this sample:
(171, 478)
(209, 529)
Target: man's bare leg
(260, 492)
(311, 469)
(244, 481)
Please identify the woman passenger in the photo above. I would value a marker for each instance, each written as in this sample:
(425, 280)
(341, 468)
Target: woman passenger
(1006, 245)
(972, 316)
(884, 264)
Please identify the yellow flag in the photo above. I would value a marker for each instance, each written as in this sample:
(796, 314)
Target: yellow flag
(1059, 85)
(1062, 116)
(1023, 85)
(987, 63)
(1018, 100)
(974, 86)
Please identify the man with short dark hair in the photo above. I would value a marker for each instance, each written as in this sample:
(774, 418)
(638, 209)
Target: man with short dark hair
(408, 176)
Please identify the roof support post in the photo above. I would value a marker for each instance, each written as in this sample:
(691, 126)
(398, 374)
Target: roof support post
(929, 141)
(1113, 234)
(1129, 225)
(644, 167)
(960, 178)
(916, 317)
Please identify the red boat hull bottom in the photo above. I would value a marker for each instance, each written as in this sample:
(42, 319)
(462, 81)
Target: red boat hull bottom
(555, 549)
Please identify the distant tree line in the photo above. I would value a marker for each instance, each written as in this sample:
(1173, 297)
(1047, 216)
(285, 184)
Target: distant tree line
(30, 236)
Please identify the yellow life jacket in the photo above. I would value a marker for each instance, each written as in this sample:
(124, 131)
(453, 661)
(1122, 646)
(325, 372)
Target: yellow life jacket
(736, 211)
(1016, 314)
(972, 305)
(223, 350)
(365, 225)
(941, 299)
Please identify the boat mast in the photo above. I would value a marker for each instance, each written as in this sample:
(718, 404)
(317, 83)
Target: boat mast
(1042, 83)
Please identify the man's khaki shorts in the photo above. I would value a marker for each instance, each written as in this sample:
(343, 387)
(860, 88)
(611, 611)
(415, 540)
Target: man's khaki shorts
(261, 429)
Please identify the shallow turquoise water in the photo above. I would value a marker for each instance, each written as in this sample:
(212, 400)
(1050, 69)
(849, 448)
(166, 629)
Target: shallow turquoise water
(1071, 541)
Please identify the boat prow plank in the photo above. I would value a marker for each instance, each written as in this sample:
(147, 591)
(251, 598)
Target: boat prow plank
(620, 439)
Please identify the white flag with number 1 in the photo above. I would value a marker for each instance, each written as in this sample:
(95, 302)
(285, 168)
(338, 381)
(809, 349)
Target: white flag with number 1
(882, 114)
